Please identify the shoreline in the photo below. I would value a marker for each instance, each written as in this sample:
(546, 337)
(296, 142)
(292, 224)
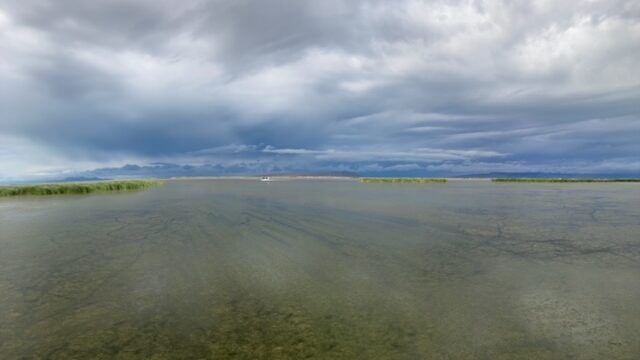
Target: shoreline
(271, 178)
(408, 180)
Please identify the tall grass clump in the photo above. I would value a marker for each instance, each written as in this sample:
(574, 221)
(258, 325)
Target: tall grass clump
(78, 188)
(560, 180)
(402, 181)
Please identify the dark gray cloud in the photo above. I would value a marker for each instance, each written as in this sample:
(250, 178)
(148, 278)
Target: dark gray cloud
(371, 86)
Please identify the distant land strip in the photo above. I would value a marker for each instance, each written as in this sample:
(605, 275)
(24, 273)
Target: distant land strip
(403, 180)
(560, 180)
(78, 188)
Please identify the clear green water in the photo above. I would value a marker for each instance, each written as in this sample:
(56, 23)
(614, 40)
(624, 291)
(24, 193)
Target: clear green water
(324, 270)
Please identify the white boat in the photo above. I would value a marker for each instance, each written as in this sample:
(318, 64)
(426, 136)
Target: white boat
(265, 178)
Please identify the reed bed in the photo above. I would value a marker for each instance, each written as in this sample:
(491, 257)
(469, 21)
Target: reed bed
(403, 181)
(78, 188)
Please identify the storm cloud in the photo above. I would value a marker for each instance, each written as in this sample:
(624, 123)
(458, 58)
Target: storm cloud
(370, 86)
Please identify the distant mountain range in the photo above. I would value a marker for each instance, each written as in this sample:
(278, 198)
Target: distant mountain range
(82, 178)
(317, 173)
(539, 175)
(168, 170)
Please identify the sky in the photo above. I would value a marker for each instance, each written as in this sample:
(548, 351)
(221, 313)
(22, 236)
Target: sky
(375, 87)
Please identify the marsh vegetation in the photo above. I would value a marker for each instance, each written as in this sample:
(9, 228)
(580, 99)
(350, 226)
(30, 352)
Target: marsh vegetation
(77, 188)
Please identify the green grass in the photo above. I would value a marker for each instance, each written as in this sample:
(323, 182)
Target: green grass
(77, 188)
(402, 181)
(560, 180)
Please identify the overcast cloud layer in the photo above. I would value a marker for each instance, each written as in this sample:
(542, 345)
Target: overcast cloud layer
(371, 86)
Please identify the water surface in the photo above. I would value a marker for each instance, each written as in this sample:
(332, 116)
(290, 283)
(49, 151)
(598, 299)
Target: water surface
(324, 270)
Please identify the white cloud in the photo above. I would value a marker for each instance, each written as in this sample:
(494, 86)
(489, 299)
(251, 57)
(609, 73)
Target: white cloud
(439, 82)
(22, 159)
(359, 155)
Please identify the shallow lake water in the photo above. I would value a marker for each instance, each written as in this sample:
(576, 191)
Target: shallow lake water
(236, 269)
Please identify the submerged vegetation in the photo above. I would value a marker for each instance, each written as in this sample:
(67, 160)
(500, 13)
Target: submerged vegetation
(560, 180)
(403, 180)
(78, 188)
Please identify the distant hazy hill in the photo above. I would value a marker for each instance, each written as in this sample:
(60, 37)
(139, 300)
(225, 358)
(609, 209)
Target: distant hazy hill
(168, 170)
(82, 178)
(319, 174)
(538, 175)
